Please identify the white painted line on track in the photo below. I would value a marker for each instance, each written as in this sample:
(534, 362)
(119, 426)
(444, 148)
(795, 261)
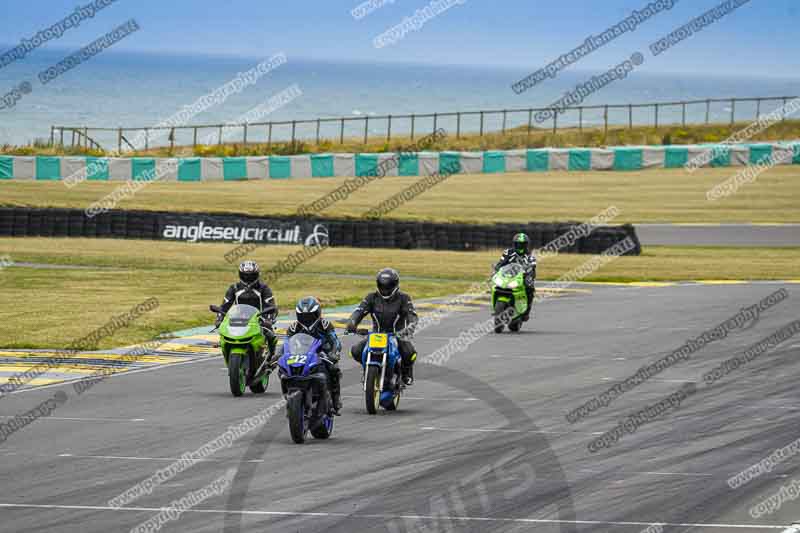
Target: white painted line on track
(623, 472)
(659, 380)
(86, 419)
(560, 357)
(789, 407)
(404, 397)
(134, 458)
(556, 357)
(357, 516)
(118, 374)
(794, 528)
(503, 430)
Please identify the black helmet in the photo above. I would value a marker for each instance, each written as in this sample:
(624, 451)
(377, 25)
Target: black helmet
(521, 244)
(248, 272)
(388, 282)
(308, 312)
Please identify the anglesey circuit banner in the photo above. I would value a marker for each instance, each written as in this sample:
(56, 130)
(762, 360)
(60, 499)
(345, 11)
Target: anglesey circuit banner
(241, 229)
(210, 228)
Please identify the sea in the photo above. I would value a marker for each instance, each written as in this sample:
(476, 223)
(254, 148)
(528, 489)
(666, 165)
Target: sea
(124, 89)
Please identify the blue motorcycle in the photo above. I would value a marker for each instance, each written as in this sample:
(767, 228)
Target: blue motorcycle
(383, 381)
(304, 382)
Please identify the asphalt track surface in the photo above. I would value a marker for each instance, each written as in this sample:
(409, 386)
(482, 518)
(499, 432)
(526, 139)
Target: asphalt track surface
(479, 444)
(719, 234)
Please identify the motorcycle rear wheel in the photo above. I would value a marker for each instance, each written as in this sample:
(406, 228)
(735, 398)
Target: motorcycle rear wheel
(260, 386)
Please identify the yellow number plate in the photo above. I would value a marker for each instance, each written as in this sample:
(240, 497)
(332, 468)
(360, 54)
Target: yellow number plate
(378, 340)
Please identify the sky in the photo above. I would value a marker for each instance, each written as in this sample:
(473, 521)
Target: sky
(759, 39)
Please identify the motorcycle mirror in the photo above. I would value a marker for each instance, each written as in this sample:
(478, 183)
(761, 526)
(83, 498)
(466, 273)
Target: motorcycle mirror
(214, 308)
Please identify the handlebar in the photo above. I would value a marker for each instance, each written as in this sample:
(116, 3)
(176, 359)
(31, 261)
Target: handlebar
(359, 331)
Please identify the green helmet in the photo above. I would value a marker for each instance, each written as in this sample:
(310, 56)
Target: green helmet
(521, 244)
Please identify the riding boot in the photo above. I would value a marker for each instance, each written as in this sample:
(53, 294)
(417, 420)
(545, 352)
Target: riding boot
(530, 293)
(408, 373)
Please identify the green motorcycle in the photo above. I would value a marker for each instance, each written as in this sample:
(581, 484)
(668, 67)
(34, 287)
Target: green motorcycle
(244, 348)
(509, 299)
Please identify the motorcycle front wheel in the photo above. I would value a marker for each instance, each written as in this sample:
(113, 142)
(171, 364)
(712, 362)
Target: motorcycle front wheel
(295, 412)
(372, 392)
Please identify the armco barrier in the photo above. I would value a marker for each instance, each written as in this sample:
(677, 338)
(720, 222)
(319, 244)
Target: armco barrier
(202, 227)
(623, 158)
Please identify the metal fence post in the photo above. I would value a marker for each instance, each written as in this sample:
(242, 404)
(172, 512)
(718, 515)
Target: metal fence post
(294, 128)
(119, 140)
(52, 135)
(656, 116)
(245, 134)
(435, 121)
(708, 111)
(783, 117)
(219, 139)
(458, 125)
(389, 129)
(580, 119)
(481, 123)
(605, 119)
(317, 132)
(683, 121)
(530, 124)
(733, 111)
(341, 133)
(146, 139)
(412, 126)
(504, 121)
(758, 108)
(194, 137)
(62, 136)
(366, 130)
(86, 138)
(269, 136)
(630, 117)
(555, 121)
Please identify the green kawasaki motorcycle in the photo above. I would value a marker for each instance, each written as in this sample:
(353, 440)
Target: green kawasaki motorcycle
(244, 348)
(509, 299)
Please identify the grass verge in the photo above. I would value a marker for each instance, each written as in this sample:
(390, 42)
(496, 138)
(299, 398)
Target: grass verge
(102, 278)
(663, 195)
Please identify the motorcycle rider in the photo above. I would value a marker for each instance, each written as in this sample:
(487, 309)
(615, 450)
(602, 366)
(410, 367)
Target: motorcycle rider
(520, 253)
(250, 290)
(392, 311)
(310, 321)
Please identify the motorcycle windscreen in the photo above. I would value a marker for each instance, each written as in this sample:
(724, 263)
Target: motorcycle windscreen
(511, 270)
(301, 344)
(239, 319)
